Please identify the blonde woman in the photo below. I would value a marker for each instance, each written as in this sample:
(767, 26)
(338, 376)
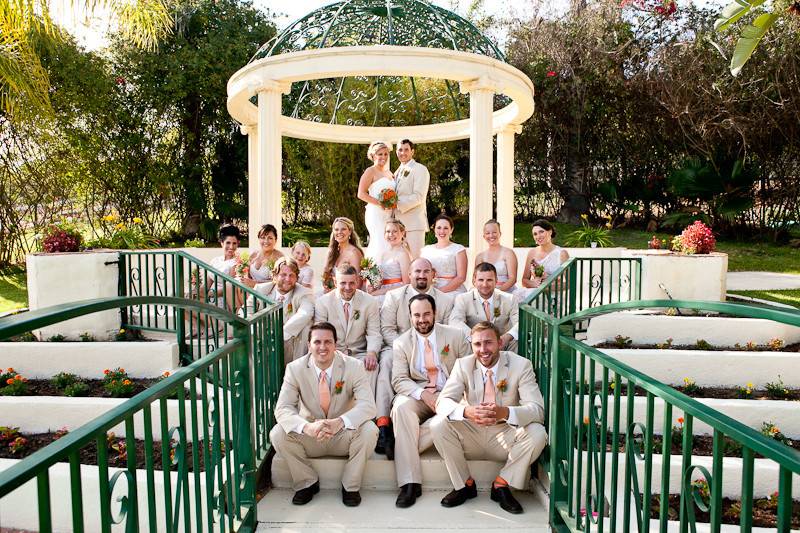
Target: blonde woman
(504, 259)
(301, 252)
(344, 247)
(393, 262)
(374, 181)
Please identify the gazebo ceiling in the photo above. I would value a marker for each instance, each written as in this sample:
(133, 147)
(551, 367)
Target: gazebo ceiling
(379, 100)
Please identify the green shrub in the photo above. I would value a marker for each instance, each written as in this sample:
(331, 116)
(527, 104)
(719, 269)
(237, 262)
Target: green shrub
(62, 380)
(79, 388)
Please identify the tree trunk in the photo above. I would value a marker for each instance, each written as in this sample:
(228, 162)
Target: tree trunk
(192, 164)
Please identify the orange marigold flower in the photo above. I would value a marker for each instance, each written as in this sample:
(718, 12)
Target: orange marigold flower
(10, 381)
(680, 420)
(10, 369)
(166, 374)
(121, 370)
(106, 371)
(18, 378)
(126, 382)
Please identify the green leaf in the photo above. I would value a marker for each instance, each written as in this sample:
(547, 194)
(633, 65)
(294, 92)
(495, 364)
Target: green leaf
(751, 36)
(733, 12)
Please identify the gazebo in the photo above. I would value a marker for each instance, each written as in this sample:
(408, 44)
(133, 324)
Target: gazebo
(362, 70)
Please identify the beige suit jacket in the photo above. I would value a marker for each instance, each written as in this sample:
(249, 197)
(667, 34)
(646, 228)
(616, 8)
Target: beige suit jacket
(298, 312)
(412, 182)
(298, 401)
(406, 377)
(468, 311)
(395, 318)
(359, 335)
(521, 393)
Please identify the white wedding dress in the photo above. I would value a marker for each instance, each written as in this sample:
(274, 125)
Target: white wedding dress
(375, 218)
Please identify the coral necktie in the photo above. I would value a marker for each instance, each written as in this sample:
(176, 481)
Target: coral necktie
(347, 311)
(324, 393)
(430, 366)
(486, 310)
(488, 388)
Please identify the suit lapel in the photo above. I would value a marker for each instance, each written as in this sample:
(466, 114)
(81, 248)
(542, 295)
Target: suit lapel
(313, 385)
(336, 376)
(476, 304)
(414, 361)
(502, 374)
(353, 308)
(339, 310)
(477, 382)
(446, 359)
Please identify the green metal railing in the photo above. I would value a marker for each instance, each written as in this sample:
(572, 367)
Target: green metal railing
(199, 422)
(604, 439)
(179, 274)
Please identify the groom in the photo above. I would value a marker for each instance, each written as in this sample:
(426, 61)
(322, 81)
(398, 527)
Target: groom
(412, 180)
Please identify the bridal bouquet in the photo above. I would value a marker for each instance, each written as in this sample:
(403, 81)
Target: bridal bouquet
(242, 266)
(371, 273)
(388, 198)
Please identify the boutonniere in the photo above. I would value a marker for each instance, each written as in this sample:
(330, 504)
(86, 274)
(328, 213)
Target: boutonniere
(406, 172)
(445, 350)
(289, 309)
(502, 385)
(356, 314)
(337, 387)
(497, 312)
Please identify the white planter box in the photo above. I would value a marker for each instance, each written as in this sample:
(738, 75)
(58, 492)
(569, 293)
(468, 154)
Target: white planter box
(648, 328)
(713, 368)
(43, 360)
(55, 279)
(686, 277)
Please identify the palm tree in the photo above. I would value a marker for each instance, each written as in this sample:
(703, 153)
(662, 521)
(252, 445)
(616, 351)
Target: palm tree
(24, 84)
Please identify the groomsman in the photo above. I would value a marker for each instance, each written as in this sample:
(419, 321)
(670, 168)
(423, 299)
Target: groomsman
(396, 320)
(356, 317)
(423, 359)
(490, 408)
(485, 302)
(325, 408)
(411, 183)
(298, 306)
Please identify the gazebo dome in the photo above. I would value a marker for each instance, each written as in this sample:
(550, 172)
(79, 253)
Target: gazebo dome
(379, 100)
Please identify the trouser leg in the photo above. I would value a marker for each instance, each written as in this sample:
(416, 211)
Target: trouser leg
(455, 441)
(384, 394)
(407, 414)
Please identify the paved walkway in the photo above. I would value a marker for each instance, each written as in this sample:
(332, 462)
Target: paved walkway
(762, 281)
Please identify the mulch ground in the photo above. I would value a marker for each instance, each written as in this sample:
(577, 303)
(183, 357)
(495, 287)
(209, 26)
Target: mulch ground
(43, 387)
(721, 393)
(760, 348)
(764, 511)
(88, 454)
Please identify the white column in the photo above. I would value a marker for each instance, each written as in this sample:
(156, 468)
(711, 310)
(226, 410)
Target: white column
(253, 183)
(481, 97)
(505, 182)
(268, 205)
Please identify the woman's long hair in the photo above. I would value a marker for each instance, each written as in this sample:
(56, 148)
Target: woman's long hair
(333, 246)
(402, 228)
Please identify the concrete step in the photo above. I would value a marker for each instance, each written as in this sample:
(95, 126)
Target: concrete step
(380, 472)
(378, 513)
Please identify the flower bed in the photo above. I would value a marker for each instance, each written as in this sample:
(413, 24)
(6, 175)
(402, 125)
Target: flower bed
(745, 392)
(116, 384)
(764, 511)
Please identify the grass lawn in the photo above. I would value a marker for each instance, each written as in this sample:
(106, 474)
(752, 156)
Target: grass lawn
(789, 297)
(13, 289)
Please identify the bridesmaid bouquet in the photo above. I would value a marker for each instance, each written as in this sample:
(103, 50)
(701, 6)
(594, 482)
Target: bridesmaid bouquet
(242, 266)
(538, 270)
(388, 198)
(371, 273)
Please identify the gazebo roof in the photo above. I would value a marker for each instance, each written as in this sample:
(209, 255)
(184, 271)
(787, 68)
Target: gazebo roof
(379, 100)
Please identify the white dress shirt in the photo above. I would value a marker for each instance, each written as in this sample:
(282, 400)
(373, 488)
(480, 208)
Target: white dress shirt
(514, 331)
(440, 377)
(458, 412)
(329, 374)
(287, 299)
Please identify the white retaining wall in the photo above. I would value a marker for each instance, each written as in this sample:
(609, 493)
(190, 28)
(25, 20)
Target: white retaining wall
(43, 360)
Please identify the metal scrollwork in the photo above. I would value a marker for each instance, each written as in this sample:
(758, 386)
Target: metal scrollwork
(177, 458)
(693, 492)
(123, 499)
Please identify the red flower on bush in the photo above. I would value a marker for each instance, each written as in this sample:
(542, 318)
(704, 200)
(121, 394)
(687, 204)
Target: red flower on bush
(697, 238)
(552, 74)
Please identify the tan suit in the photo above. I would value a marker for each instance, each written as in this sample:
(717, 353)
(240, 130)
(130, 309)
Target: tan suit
(412, 182)
(396, 320)
(409, 415)
(298, 403)
(518, 445)
(298, 314)
(468, 311)
(359, 335)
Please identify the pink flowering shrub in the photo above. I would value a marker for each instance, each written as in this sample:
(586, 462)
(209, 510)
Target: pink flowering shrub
(697, 238)
(62, 237)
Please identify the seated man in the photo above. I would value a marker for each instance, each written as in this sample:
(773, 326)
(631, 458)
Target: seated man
(490, 408)
(298, 306)
(395, 321)
(485, 302)
(356, 317)
(423, 359)
(325, 408)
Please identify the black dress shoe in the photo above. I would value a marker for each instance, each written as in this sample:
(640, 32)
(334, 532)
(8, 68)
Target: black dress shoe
(507, 501)
(457, 497)
(303, 496)
(408, 495)
(385, 444)
(351, 499)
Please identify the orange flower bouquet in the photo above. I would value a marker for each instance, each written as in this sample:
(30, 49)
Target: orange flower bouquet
(388, 198)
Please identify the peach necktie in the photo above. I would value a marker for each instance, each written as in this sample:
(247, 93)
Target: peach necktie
(430, 366)
(486, 310)
(324, 393)
(347, 311)
(488, 388)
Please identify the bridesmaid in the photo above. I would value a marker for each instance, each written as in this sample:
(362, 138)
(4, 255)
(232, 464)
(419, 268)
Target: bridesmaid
(545, 254)
(393, 262)
(504, 259)
(449, 259)
(344, 247)
(262, 260)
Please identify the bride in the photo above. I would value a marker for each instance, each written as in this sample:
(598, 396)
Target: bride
(375, 179)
